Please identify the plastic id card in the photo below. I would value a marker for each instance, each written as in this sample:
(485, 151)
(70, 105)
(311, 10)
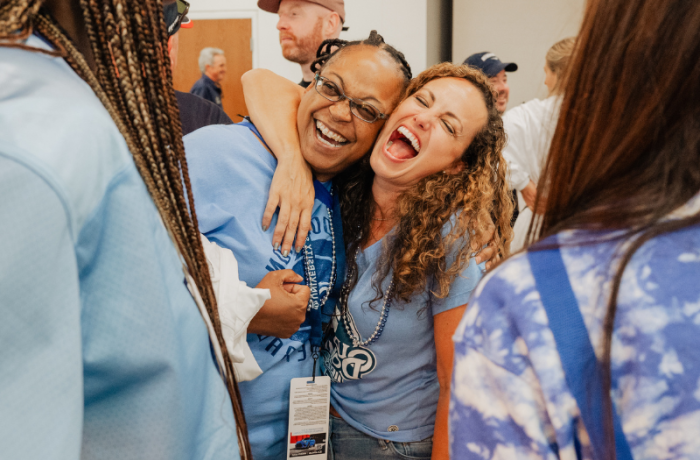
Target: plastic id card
(308, 418)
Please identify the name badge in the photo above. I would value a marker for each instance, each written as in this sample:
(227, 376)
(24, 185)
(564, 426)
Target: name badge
(309, 402)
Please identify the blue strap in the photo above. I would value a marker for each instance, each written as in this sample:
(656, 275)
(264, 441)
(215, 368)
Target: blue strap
(249, 124)
(583, 373)
(323, 195)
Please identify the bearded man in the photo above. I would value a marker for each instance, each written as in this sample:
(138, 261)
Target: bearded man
(303, 25)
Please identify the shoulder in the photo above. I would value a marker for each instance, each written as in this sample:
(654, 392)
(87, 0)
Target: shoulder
(197, 113)
(52, 122)
(230, 142)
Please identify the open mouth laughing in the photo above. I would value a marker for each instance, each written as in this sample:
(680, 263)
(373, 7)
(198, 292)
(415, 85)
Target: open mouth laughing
(328, 136)
(402, 144)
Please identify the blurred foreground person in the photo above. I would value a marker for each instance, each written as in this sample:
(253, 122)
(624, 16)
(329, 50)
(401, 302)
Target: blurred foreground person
(106, 354)
(530, 128)
(587, 346)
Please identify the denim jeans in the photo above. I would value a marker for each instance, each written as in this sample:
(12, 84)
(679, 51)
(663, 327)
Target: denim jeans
(346, 443)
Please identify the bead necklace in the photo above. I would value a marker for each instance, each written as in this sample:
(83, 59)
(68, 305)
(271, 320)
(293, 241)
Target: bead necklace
(346, 315)
(310, 268)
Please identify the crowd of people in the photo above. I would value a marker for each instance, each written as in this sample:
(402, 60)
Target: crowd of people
(165, 274)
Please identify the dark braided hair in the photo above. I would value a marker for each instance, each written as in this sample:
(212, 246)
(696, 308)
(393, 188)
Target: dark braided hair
(133, 80)
(331, 47)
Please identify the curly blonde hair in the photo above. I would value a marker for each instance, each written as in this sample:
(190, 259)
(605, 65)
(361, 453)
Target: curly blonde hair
(420, 249)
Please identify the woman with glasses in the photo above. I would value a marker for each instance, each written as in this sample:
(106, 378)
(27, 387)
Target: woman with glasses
(231, 170)
(413, 210)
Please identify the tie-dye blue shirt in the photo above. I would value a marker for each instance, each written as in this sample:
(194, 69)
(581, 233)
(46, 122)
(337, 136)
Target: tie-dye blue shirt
(510, 398)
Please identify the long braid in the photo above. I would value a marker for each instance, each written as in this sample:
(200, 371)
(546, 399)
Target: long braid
(133, 81)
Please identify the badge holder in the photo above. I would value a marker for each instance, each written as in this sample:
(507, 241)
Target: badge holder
(309, 402)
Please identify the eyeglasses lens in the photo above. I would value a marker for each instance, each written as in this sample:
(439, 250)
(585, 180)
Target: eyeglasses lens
(330, 91)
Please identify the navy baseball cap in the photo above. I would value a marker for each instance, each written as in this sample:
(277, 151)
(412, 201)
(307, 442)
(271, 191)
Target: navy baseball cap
(489, 63)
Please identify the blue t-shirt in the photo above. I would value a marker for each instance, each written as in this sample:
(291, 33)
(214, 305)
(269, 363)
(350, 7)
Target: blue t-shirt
(510, 398)
(105, 355)
(231, 173)
(392, 382)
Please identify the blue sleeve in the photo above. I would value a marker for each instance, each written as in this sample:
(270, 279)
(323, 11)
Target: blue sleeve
(460, 289)
(41, 380)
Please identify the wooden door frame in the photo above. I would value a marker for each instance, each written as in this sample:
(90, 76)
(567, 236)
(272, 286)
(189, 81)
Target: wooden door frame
(234, 14)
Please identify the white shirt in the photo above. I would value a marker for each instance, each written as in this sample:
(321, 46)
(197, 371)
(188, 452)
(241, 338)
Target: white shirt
(238, 304)
(529, 129)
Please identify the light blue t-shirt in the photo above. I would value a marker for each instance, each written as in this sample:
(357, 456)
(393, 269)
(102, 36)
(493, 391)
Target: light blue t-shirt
(103, 352)
(510, 397)
(393, 381)
(231, 174)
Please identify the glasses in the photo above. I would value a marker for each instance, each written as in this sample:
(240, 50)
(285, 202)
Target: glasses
(361, 109)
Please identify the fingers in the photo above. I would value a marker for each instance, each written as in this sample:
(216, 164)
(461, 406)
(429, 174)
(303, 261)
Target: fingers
(282, 221)
(301, 292)
(289, 276)
(291, 231)
(304, 228)
(270, 208)
(485, 254)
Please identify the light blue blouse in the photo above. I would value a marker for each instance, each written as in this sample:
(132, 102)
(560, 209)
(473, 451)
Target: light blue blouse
(103, 352)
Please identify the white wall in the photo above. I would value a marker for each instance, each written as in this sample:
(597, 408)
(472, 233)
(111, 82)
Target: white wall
(402, 23)
(519, 31)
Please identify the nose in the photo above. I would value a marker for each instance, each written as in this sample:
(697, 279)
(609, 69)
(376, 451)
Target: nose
(424, 119)
(340, 111)
(282, 24)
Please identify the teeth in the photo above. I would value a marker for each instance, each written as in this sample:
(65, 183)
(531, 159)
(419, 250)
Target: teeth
(409, 135)
(328, 133)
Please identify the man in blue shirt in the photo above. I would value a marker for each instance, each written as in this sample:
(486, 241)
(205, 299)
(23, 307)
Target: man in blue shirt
(212, 63)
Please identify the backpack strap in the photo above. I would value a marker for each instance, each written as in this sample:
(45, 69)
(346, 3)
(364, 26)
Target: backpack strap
(584, 374)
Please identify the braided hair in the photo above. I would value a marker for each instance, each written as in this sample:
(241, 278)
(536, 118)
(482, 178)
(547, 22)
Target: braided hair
(133, 80)
(330, 48)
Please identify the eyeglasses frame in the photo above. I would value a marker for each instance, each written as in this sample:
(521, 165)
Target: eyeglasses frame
(353, 102)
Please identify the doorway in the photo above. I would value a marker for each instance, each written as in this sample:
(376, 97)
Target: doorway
(233, 36)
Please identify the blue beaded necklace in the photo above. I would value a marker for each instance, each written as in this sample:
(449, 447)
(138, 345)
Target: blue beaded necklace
(347, 316)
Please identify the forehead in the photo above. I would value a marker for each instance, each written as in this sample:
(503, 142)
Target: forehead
(299, 7)
(367, 71)
(459, 97)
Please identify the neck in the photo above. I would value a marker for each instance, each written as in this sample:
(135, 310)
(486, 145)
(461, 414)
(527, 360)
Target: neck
(385, 197)
(210, 77)
(306, 72)
(69, 16)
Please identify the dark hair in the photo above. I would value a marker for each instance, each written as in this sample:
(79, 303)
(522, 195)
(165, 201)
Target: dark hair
(418, 251)
(330, 49)
(626, 151)
(138, 94)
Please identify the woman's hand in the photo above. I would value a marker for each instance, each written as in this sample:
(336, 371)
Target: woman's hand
(292, 190)
(486, 254)
(284, 312)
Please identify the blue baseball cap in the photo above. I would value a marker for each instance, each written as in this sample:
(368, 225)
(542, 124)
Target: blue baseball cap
(489, 63)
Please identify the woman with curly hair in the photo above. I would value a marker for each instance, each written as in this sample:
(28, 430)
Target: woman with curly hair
(432, 184)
